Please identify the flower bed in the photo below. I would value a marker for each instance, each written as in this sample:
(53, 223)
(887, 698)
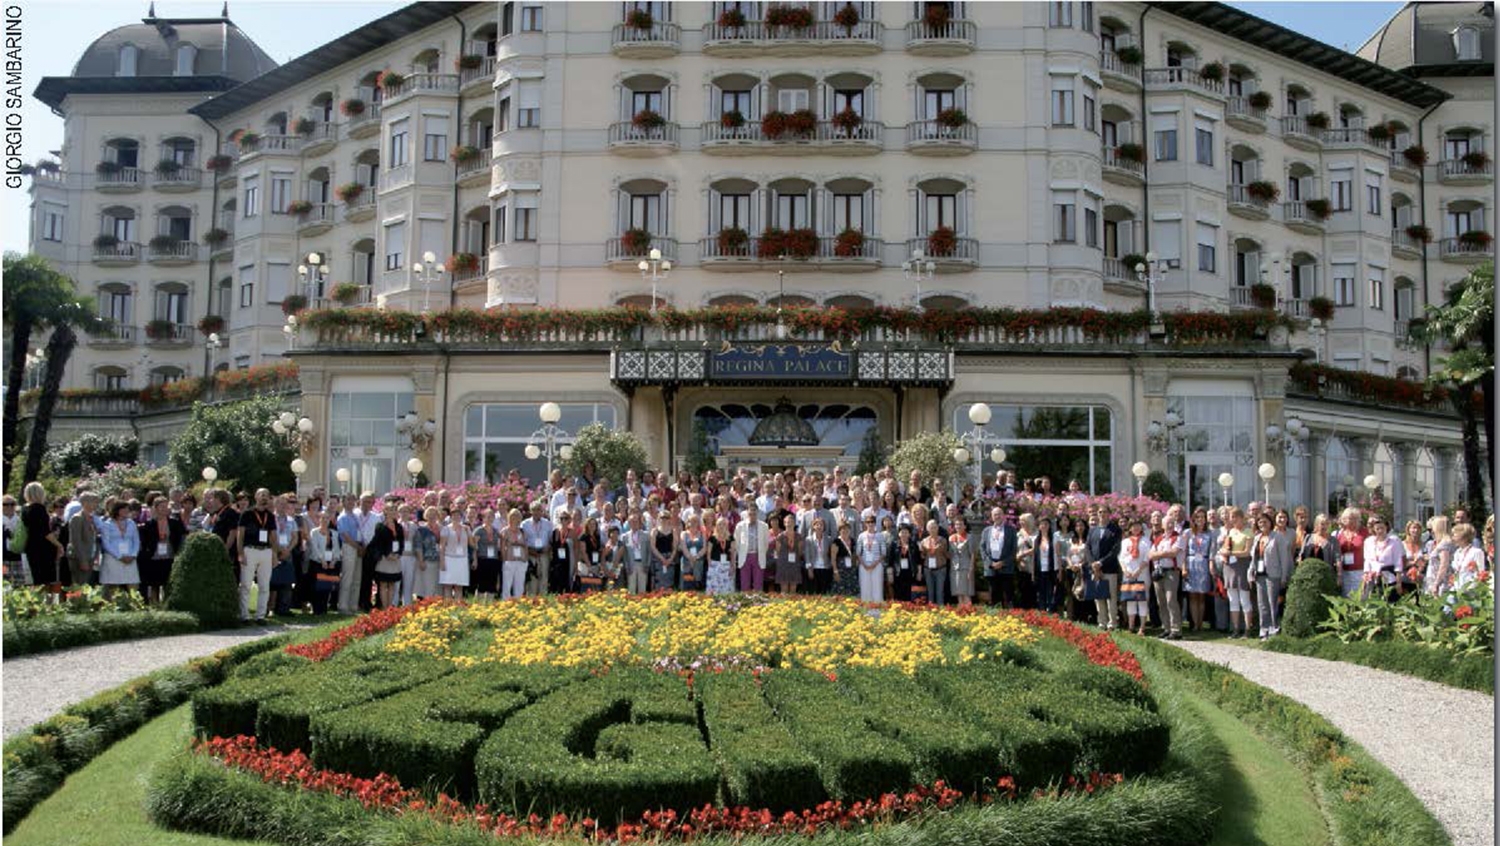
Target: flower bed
(1367, 387)
(696, 709)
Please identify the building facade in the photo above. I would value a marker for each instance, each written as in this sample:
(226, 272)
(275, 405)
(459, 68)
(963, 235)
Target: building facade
(937, 155)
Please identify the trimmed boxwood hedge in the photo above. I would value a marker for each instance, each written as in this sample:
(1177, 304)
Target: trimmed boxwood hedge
(763, 766)
(1470, 672)
(855, 761)
(65, 631)
(895, 706)
(1307, 598)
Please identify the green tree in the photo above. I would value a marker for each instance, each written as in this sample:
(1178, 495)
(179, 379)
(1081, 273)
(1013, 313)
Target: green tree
(931, 453)
(36, 298)
(612, 453)
(92, 453)
(871, 453)
(1466, 323)
(235, 438)
(1158, 486)
(699, 459)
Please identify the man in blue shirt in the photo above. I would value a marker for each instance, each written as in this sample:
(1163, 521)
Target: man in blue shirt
(352, 552)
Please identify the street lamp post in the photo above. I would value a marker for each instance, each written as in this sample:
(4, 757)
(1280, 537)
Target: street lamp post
(342, 475)
(213, 345)
(1226, 481)
(313, 275)
(918, 270)
(298, 468)
(972, 445)
(1267, 472)
(1140, 470)
(545, 441)
(1316, 330)
(654, 269)
(210, 475)
(414, 467)
(427, 270)
(1152, 272)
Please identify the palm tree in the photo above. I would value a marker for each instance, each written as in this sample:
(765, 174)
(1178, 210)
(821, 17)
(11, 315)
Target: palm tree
(1466, 322)
(66, 322)
(35, 298)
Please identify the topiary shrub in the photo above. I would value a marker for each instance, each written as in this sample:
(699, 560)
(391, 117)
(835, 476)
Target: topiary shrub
(1158, 486)
(1307, 598)
(203, 582)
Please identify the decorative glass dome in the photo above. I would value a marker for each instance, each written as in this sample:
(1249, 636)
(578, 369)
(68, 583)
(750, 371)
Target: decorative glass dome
(784, 428)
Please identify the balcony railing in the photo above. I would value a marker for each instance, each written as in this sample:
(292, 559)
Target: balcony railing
(366, 120)
(965, 250)
(270, 144)
(178, 251)
(820, 32)
(661, 38)
(395, 177)
(321, 214)
(478, 271)
(1347, 136)
(1295, 130)
(1110, 63)
(1297, 308)
(827, 253)
(1239, 195)
(1182, 76)
(824, 134)
(124, 179)
(364, 203)
(617, 250)
(1295, 212)
(324, 134)
(116, 334)
(475, 167)
(1115, 270)
(925, 133)
(1402, 330)
(955, 34)
(1460, 249)
(363, 296)
(182, 179)
(177, 333)
(1238, 108)
(485, 72)
(1239, 296)
(1113, 159)
(1402, 242)
(866, 251)
(1460, 169)
(626, 133)
(125, 252)
(427, 83)
(1399, 165)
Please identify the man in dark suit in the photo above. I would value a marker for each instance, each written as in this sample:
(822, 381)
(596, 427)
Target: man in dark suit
(998, 546)
(1104, 556)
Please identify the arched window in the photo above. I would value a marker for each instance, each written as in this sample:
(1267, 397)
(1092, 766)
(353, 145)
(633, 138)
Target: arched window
(1466, 44)
(128, 54)
(187, 56)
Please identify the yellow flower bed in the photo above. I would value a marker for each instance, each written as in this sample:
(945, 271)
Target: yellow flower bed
(605, 629)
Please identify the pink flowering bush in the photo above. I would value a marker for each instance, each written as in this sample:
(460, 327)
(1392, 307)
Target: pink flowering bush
(1076, 506)
(503, 495)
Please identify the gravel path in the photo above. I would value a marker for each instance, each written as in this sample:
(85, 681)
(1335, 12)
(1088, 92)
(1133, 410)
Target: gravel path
(1451, 770)
(38, 686)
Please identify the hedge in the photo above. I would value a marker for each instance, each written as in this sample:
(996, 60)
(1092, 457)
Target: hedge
(1307, 598)
(762, 764)
(203, 582)
(855, 762)
(65, 631)
(1470, 672)
(37, 761)
(1366, 804)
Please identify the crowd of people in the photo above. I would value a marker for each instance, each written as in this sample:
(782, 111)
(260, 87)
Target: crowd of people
(869, 536)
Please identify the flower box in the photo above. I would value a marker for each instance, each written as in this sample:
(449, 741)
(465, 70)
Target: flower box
(732, 120)
(345, 292)
(304, 127)
(468, 61)
(1213, 72)
(1263, 190)
(1475, 238)
(1129, 54)
(1320, 208)
(1418, 232)
(389, 80)
(220, 162)
(168, 167)
(299, 207)
(1379, 133)
(789, 17)
(216, 236)
(462, 263)
(849, 243)
(1415, 155)
(1318, 120)
(953, 118)
(733, 241)
(294, 304)
(639, 19)
(165, 242)
(647, 120)
(107, 168)
(847, 17)
(793, 243)
(941, 242)
(349, 192)
(352, 107)
(1263, 295)
(637, 242)
(106, 241)
(1130, 152)
(847, 121)
(248, 140)
(210, 324)
(160, 330)
(1132, 261)
(1321, 308)
(801, 123)
(731, 19)
(463, 153)
(936, 15)
(1259, 100)
(1475, 159)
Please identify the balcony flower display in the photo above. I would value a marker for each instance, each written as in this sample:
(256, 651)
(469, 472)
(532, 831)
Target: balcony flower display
(1319, 120)
(304, 127)
(801, 123)
(462, 263)
(791, 243)
(1379, 133)
(1213, 72)
(299, 207)
(468, 61)
(248, 140)
(732, 241)
(1475, 159)
(952, 118)
(1475, 238)
(389, 80)
(107, 168)
(732, 119)
(639, 19)
(789, 17)
(936, 15)
(211, 323)
(1320, 208)
(1415, 155)
(1129, 54)
(1259, 100)
(1418, 232)
(294, 304)
(463, 153)
(1263, 190)
(216, 236)
(847, 121)
(731, 19)
(345, 292)
(165, 243)
(847, 17)
(1129, 152)
(849, 243)
(160, 330)
(1321, 308)
(168, 167)
(349, 192)
(106, 241)
(1263, 295)
(220, 162)
(647, 120)
(941, 242)
(352, 107)
(637, 242)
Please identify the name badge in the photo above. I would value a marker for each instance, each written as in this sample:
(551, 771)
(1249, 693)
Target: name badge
(396, 547)
(562, 552)
(489, 552)
(594, 557)
(932, 563)
(724, 559)
(163, 549)
(1348, 558)
(791, 558)
(845, 563)
(265, 536)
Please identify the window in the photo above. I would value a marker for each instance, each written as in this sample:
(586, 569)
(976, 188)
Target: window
(1109, 133)
(1292, 104)
(529, 107)
(645, 101)
(1091, 222)
(526, 217)
(1340, 189)
(362, 432)
(123, 228)
(1459, 222)
(531, 18)
(1108, 39)
(187, 54)
(1064, 217)
(128, 54)
(645, 212)
(936, 101)
(501, 233)
(1343, 284)
(247, 286)
(1302, 281)
(1403, 302)
(848, 212)
(1219, 421)
(111, 379)
(1466, 44)
(398, 143)
(1061, 442)
(116, 305)
(1208, 238)
(1372, 194)
(1377, 290)
(1203, 135)
(942, 210)
(1235, 86)
(1086, 15)
(1167, 239)
(495, 436)
(1090, 107)
(278, 282)
(1164, 136)
(1060, 14)
(502, 114)
(252, 195)
(434, 138)
(849, 99)
(395, 245)
(171, 306)
(507, 18)
(181, 152)
(1062, 101)
(734, 211)
(792, 99)
(791, 211)
(281, 193)
(52, 223)
(734, 101)
(1294, 188)
(1236, 172)
(1455, 146)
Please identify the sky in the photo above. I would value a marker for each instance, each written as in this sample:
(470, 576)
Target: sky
(55, 33)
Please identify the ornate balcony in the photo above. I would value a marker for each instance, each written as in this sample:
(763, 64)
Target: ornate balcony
(620, 255)
(1119, 279)
(364, 124)
(164, 334)
(117, 255)
(445, 84)
(317, 220)
(321, 139)
(1403, 170)
(482, 77)
(1242, 203)
(475, 171)
(270, 145)
(1460, 172)
(477, 272)
(224, 248)
(822, 38)
(963, 257)
(627, 139)
(396, 177)
(827, 256)
(122, 181)
(117, 335)
(1351, 138)
(954, 37)
(865, 139)
(361, 208)
(1296, 215)
(174, 253)
(1405, 246)
(1119, 75)
(1466, 250)
(661, 40)
(1299, 309)
(933, 138)
(1120, 170)
(179, 180)
(1182, 79)
(1296, 132)
(1239, 114)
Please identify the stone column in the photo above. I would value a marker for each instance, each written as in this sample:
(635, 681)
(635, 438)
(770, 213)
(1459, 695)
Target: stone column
(1154, 390)
(1271, 385)
(648, 420)
(1444, 477)
(1402, 498)
(317, 408)
(1317, 472)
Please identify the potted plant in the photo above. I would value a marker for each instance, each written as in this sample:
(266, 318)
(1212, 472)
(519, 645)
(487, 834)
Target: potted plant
(345, 293)
(773, 124)
(299, 207)
(849, 243)
(1130, 152)
(646, 120)
(847, 121)
(1475, 159)
(801, 243)
(639, 18)
(1418, 232)
(1475, 238)
(772, 243)
(160, 330)
(211, 323)
(1131, 261)
(732, 240)
(731, 18)
(389, 80)
(462, 263)
(1321, 308)
(936, 15)
(168, 167)
(468, 61)
(1129, 54)
(349, 192)
(1263, 190)
(789, 17)
(352, 107)
(220, 162)
(107, 168)
(304, 126)
(106, 241)
(216, 236)
(847, 17)
(802, 122)
(1259, 100)
(164, 243)
(293, 304)
(1320, 208)
(941, 242)
(637, 242)
(1378, 133)
(1318, 120)
(952, 118)
(732, 119)
(463, 153)
(1213, 72)
(248, 140)
(1263, 295)
(1415, 155)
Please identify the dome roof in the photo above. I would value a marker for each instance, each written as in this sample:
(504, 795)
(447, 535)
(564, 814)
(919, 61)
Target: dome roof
(222, 49)
(1423, 34)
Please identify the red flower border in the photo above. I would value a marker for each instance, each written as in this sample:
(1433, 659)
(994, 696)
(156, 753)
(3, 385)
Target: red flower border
(372, 623)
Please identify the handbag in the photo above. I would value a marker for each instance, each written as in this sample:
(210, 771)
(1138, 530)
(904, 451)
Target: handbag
(18, 538)
(1133, 591)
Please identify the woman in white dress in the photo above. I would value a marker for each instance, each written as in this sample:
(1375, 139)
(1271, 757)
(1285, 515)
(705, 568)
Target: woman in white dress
(455, 575)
